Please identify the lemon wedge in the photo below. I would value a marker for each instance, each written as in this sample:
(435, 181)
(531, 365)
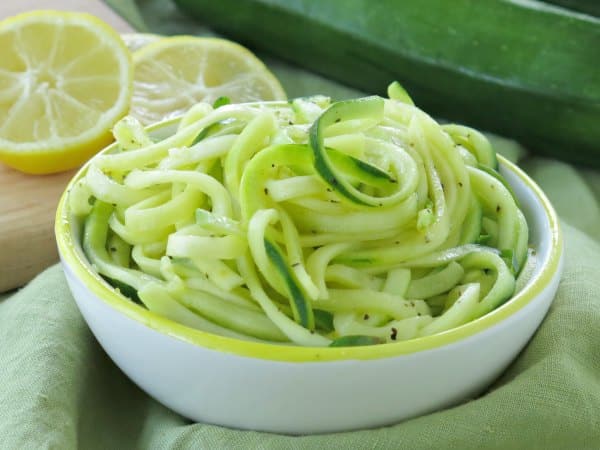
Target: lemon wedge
(65, 79)
(172, 74)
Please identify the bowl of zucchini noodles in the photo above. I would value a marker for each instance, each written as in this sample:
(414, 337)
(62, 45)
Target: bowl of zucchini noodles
(308, 266)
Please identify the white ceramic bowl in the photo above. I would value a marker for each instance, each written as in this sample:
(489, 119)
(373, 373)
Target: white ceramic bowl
(297, 390)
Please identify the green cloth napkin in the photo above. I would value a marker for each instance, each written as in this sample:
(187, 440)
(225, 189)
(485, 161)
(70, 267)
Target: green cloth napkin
(59, 390)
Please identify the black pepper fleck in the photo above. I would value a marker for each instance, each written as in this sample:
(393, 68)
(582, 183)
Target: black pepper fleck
(393, 334)
(366, 317)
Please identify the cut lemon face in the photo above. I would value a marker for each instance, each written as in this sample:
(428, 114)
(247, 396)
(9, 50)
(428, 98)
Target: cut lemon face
(172, 74)
(65, 79)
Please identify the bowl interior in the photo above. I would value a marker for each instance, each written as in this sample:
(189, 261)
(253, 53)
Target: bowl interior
(545, 238)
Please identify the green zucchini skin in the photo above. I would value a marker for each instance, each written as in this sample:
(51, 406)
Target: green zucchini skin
(523, 68)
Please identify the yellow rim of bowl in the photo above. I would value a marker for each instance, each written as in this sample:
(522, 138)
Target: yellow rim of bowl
(291, 353)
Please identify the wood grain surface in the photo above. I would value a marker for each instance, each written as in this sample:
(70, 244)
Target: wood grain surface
(28, 202)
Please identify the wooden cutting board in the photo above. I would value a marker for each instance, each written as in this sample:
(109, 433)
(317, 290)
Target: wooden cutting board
(28, 202)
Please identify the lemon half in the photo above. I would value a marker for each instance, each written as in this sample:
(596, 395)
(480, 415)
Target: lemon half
(65, 79)
(172, 74)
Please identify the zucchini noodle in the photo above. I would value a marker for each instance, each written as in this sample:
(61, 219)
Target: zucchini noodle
(306, 222)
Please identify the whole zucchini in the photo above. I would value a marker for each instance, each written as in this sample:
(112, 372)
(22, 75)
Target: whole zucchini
(521, 68)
